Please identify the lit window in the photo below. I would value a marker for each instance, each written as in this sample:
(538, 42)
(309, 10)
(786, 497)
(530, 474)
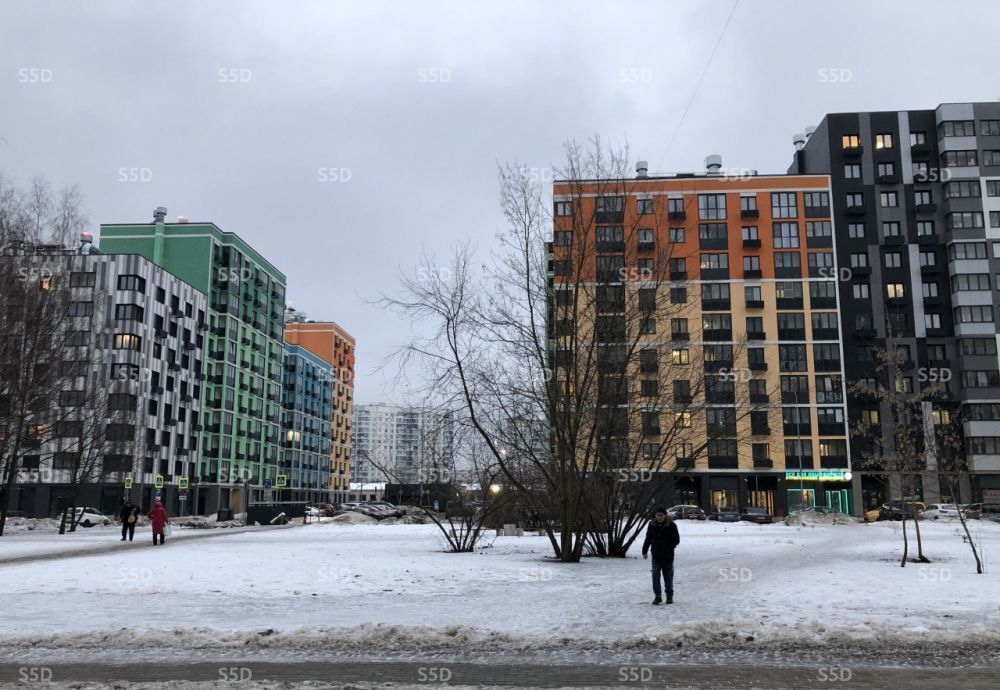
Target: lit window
(883, 141)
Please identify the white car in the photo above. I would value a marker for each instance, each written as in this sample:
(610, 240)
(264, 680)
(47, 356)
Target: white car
(88, 517)
(314, 512)
(936, 511)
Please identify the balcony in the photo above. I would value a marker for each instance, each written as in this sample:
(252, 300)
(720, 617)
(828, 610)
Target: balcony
(928, 239)
(852, 151)
(753, 273)
(679, 336)
(718, 364)
(920, 149)
(715, 305)
(763, 463)
(758, 366)
(677, 215)
(831, 429)
(827, 365)
(647, 246)
(685, 463)
(923, 209)
(755, 304)
(930, 269)
(825, 334)
(894, 240)
(749, 213)
(791, 334)
(751, 244)
(720, 335)
(756, 335)
(888, 179)
(762, 429)
(823, 302)
(759, 398)
(856, 210)
(678, 275)
(861, 270)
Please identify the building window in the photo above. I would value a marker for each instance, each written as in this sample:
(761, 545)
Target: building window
(918, 138)
(129, 312)
(564, 238)
(675, 206)
(644, 207)
(748, 203)
(974, 314)
(963, 189)
(852, 171)
(886, 169)
(860, 291)
(783, 205)
(995, 219)
(928, 259)
(80, 309)
(714, 261)
(859, 260)
(888, 200)
(956, 128)
(967, 250)
(850, 141)
(856, 231)
(610, 204)
(890, 229)
(925, 228)
(855, 199)
(883, 141)
(712, 206)
(932, 321)
(786, 235)
(132, 283)
(750, 232)
(923, 197)
(680, 356)
(82, 279)
(677, 235)
(992, 187)
(929, 289)
(893, 260)
(989, 128)
(678, 295)
(895, 291)
(991, 158)
(815, 200)
(959, 159)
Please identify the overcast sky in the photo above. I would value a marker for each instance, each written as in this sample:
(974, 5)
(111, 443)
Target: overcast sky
(339, 139)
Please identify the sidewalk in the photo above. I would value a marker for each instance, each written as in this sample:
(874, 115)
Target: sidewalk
(114, 544)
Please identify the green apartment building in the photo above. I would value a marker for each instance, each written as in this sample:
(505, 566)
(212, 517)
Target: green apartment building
(239, 448)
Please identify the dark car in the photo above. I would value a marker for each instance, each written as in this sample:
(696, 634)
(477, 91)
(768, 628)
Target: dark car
(758, 515)
(725, 515)
(895, 510)
(687, 512)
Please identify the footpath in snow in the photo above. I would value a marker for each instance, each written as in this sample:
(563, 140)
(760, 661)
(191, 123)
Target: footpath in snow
(391, 589)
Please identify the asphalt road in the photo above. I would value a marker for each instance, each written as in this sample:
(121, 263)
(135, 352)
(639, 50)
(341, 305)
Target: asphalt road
(440, 674)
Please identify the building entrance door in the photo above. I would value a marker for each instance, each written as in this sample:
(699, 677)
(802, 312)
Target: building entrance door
(838, 501)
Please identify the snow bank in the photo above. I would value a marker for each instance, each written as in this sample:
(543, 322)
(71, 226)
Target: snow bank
(805, 519)
(352, 518)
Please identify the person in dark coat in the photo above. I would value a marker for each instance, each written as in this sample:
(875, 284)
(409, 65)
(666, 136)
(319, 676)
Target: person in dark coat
(158, 516)
(662, 536)
(129, 516)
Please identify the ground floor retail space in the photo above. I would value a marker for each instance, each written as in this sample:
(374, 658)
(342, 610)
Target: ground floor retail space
(780, 493)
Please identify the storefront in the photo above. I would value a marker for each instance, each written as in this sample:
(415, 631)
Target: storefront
(828, 488)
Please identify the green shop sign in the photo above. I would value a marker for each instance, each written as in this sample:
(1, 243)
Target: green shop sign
(818, 476)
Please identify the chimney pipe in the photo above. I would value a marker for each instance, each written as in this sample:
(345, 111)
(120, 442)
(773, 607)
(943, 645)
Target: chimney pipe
(641, 169)
(160, 214)
(799, 140)
(713, 164)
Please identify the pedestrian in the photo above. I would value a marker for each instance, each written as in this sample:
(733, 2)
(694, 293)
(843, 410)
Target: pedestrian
(158, 515)
(129, 516)
(663, 537)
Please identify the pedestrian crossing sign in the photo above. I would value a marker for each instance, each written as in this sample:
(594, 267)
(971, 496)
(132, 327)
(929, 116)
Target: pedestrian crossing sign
(158, 481)
(182, 482)
(281, 480)
(128, 482)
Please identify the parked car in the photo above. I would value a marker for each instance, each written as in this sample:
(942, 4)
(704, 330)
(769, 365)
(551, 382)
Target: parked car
(973, 511)
(936, 511)
(395, 510)
(370, 511)
(991, 510)
(895, 510)
(315, 512)
(755, 514)
(328, 509)
(725, 515)
(686, 513)
(88, 517)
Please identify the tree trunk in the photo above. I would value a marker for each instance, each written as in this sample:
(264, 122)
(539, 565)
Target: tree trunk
(906, 543)
(972, 544)
(920, 545)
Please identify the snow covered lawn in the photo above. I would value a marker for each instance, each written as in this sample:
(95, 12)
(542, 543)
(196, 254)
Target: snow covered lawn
(391, 586)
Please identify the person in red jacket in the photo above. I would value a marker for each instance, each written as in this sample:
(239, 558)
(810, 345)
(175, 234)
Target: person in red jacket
(160, 520)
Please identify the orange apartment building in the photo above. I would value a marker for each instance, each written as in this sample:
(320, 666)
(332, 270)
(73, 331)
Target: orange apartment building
(336, 346)
(749, 293)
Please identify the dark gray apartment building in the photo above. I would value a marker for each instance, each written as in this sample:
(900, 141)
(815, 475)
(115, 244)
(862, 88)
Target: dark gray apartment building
(134, 353)
(916, 212)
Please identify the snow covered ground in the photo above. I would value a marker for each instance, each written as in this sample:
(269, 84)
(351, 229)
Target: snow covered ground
(391, 588)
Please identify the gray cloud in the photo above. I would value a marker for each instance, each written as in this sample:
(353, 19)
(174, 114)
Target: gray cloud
(420, 100)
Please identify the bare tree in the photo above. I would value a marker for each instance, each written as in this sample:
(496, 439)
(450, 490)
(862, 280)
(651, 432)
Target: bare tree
(898, 439)
(948, 445)
(33, 310)
(577, 340)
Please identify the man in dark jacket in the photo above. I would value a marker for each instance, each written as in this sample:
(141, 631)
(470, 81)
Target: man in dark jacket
(663, 537)
(129, 516)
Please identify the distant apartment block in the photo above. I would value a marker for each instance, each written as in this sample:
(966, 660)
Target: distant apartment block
(407, 445)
